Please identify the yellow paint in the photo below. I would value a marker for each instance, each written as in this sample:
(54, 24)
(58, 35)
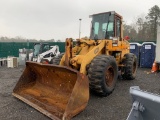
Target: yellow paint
(85, 50)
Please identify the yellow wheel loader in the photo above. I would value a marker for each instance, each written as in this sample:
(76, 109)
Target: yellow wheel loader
(62, 91)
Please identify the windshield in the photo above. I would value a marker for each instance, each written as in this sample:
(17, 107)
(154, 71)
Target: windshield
(102, 26)
(36, 49)
(45, 48)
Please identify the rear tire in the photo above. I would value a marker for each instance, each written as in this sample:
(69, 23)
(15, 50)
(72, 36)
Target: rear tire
(56, 60)
(102, 74)
(130, 66)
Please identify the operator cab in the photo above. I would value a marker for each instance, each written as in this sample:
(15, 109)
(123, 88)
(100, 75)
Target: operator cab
(106, 26)
(40, 48)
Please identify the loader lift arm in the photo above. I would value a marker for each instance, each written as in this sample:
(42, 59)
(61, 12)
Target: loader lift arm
(84, 60)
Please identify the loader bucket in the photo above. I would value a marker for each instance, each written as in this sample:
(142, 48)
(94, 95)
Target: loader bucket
(57, 91)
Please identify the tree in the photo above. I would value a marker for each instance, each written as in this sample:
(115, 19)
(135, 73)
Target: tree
(130, 31)
(152, 17)
(58, 40)
(52, 40)
(143, 29)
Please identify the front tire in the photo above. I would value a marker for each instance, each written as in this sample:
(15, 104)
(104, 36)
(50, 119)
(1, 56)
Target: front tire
(102, 74)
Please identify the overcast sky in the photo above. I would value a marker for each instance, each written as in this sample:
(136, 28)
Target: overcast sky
(59, 19)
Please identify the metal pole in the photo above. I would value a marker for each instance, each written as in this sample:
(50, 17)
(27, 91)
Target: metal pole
(80, 28)
(27, 52)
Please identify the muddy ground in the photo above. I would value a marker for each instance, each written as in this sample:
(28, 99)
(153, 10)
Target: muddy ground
(114, 107)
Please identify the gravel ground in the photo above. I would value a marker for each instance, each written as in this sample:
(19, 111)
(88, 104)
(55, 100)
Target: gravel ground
(114, 107)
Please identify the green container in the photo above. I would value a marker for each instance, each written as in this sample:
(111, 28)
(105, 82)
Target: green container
(12, 48)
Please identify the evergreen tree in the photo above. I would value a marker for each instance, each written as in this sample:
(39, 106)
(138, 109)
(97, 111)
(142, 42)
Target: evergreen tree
(152, 17)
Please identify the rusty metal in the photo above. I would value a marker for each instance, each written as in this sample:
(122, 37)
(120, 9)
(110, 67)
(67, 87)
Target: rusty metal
(57, 91)
(109, 76)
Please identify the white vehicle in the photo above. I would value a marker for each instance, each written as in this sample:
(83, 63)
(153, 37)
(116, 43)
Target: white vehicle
(43, 53)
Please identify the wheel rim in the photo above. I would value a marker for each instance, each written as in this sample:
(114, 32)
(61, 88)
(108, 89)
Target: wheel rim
(109, 76)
